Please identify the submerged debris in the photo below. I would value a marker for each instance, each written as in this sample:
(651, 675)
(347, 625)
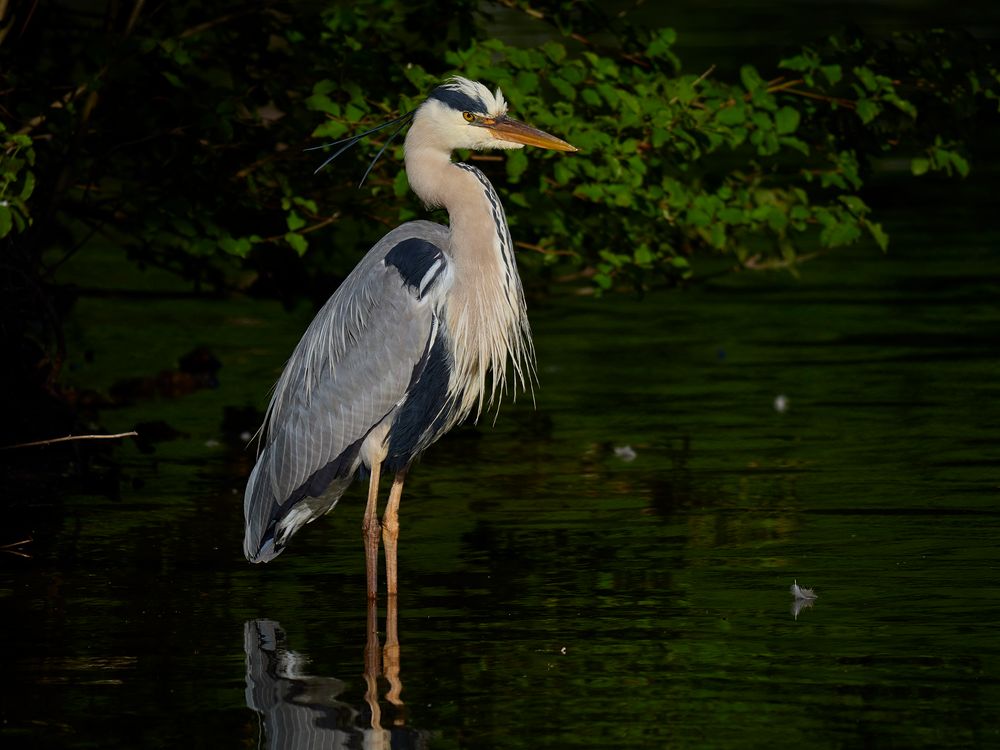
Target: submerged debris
(625, 452)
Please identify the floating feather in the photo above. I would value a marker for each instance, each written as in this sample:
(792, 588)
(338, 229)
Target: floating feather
(802, 593)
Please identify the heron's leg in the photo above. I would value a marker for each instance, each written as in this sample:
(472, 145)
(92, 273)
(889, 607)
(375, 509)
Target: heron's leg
(390, 530)
(372, 654)
(370, 532)
(390, 656)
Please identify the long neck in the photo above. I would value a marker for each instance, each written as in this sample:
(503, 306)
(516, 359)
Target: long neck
(485, 308)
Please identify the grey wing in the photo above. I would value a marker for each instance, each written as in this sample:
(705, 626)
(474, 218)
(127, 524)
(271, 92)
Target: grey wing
(349, 372)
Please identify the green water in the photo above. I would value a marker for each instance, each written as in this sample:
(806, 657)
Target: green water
(554, 593)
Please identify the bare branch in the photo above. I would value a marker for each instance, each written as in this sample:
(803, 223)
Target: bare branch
(68, 438)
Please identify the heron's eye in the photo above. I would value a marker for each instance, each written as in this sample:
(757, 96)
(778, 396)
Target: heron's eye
(469, 117)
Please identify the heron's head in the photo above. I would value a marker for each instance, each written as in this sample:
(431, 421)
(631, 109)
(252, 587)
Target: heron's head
(464, 114)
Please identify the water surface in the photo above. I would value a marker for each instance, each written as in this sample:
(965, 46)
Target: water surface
(608, 569)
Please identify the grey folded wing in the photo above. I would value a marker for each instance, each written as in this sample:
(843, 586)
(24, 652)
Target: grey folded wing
(349, 372)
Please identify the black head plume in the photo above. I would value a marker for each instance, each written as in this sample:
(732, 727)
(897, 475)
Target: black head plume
(345, 143)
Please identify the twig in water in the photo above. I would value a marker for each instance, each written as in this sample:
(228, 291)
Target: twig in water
(12, 545)
(68, 438)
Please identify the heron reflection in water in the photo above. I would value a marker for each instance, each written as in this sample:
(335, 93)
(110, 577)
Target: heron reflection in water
(429, 328)
(299, 711)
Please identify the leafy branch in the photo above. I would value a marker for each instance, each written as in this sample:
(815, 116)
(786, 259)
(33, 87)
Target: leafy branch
(206, 174)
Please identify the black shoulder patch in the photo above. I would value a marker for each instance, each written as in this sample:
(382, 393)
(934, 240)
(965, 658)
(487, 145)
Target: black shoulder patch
(458, 100)
(414, 259)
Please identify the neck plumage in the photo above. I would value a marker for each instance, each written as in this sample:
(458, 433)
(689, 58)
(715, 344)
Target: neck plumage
(485, 308)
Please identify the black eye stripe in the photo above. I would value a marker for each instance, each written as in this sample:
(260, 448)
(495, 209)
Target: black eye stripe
(458, 100)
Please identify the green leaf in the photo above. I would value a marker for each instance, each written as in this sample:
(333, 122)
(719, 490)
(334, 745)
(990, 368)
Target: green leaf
(957, 161)
(659, 137)
(751, 78)
(238, 246)
(867, 78)
(307, 203)
(777, 219)
(330, 129)
(526, 82)
(786, 120)
(353, 113)
(732, 115)
(298, 243)
(643, 256)
(878, 234)
(517, 163)
(839, 233)
(615, 260)
(764, 99)
(854, 204)
(294, 221)
(867, 110)
(565, 90)
(762, 120)
(400, 185)
(555, 51)
(919, 165)
(717, 236)
(29, 183)
(833, 73)
(802, 63)
(6, 220)
(322, 103)
(602, 279)
(324, 86)
(902, 105)
(661, 46)
(801, 146)
(698, 218)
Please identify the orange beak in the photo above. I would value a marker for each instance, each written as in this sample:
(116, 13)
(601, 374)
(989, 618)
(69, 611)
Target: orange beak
(507, 129)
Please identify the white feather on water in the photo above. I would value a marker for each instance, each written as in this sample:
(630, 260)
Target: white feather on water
(803, 598)
(800, 592)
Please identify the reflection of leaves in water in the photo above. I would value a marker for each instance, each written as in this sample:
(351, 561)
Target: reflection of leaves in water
(804, 598)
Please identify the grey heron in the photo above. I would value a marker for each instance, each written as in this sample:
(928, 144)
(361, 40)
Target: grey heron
(429, 327)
